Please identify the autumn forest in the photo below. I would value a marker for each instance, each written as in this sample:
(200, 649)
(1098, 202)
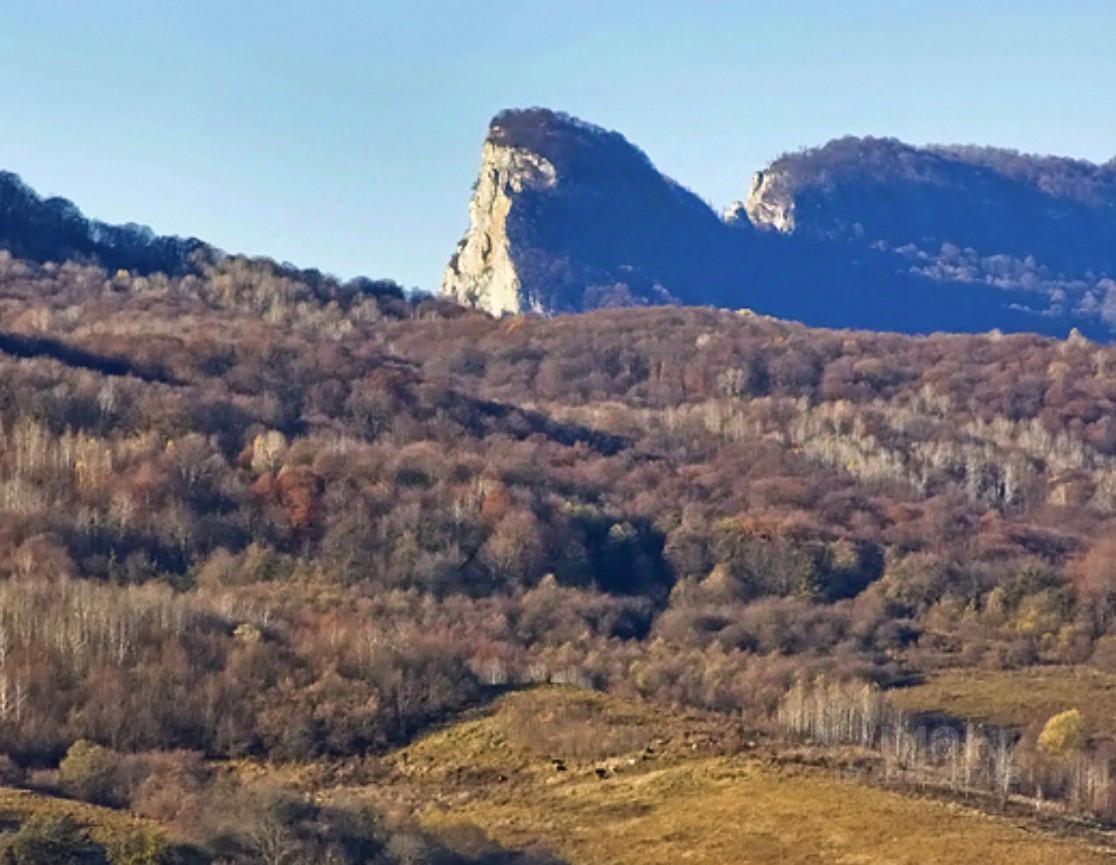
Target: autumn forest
(253, 513)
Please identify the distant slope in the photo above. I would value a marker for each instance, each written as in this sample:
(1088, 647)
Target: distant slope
(1018, 699)
(1062, 211)
(53, 229)
(867, 233)
(1041, 229)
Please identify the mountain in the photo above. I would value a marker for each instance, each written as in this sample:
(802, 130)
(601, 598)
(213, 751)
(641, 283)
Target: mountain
(871, 233)
(54, 229)
(1043, 227)
(568, 216)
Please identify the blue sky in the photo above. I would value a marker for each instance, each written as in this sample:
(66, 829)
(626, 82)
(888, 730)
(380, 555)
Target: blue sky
(346, 135)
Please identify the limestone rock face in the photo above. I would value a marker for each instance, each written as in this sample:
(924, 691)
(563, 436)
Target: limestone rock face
(482, 273)
(769, 204)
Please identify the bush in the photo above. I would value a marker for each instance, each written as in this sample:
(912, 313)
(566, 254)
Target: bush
(11, 774)
(51, 839)
(166, 786)
(142, 846)
(91, 773)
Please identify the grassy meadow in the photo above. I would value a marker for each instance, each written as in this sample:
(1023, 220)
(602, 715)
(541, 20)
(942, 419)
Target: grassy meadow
(1017, 698)
(645, 788)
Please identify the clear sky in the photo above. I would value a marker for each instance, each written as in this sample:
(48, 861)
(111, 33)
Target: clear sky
(346, 135)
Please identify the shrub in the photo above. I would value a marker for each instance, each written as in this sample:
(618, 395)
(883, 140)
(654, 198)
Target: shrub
(50, 839)
(1063, 734)
(141, 846)
(92, 773)
(10, 773)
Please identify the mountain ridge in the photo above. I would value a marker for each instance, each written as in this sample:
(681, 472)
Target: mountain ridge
(860, 232)
(54, 229)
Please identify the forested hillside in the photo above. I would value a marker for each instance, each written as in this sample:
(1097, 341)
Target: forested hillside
(255, 512)
(53, 229)
(201, 463)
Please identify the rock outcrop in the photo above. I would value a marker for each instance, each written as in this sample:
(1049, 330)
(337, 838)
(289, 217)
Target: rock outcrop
(769, 205)
(483, 272)
(567, 216)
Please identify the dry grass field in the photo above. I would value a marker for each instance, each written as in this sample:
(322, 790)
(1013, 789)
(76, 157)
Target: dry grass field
(593, 780)
(105, 825)
(1017, 698)
(667, 796)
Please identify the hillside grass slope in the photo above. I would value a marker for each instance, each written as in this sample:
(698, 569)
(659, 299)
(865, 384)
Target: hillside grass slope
(668, 796)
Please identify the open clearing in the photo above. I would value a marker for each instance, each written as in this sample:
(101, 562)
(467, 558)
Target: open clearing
(674, 799)
(1017, 698)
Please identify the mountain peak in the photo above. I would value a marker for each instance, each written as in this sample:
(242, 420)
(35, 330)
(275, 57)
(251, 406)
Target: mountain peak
(566, 215)
(534, 127)
(565, 141)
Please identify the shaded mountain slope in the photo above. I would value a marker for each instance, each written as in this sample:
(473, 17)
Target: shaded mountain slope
(870, 233)
(53, 229)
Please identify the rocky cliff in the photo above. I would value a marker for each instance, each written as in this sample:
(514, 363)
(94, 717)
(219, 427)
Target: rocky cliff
(483, 273)
(568, 216)
(770, 205)
(867, 233)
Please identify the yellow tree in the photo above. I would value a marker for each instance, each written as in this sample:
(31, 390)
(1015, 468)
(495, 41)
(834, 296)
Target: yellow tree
(1063, 734)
